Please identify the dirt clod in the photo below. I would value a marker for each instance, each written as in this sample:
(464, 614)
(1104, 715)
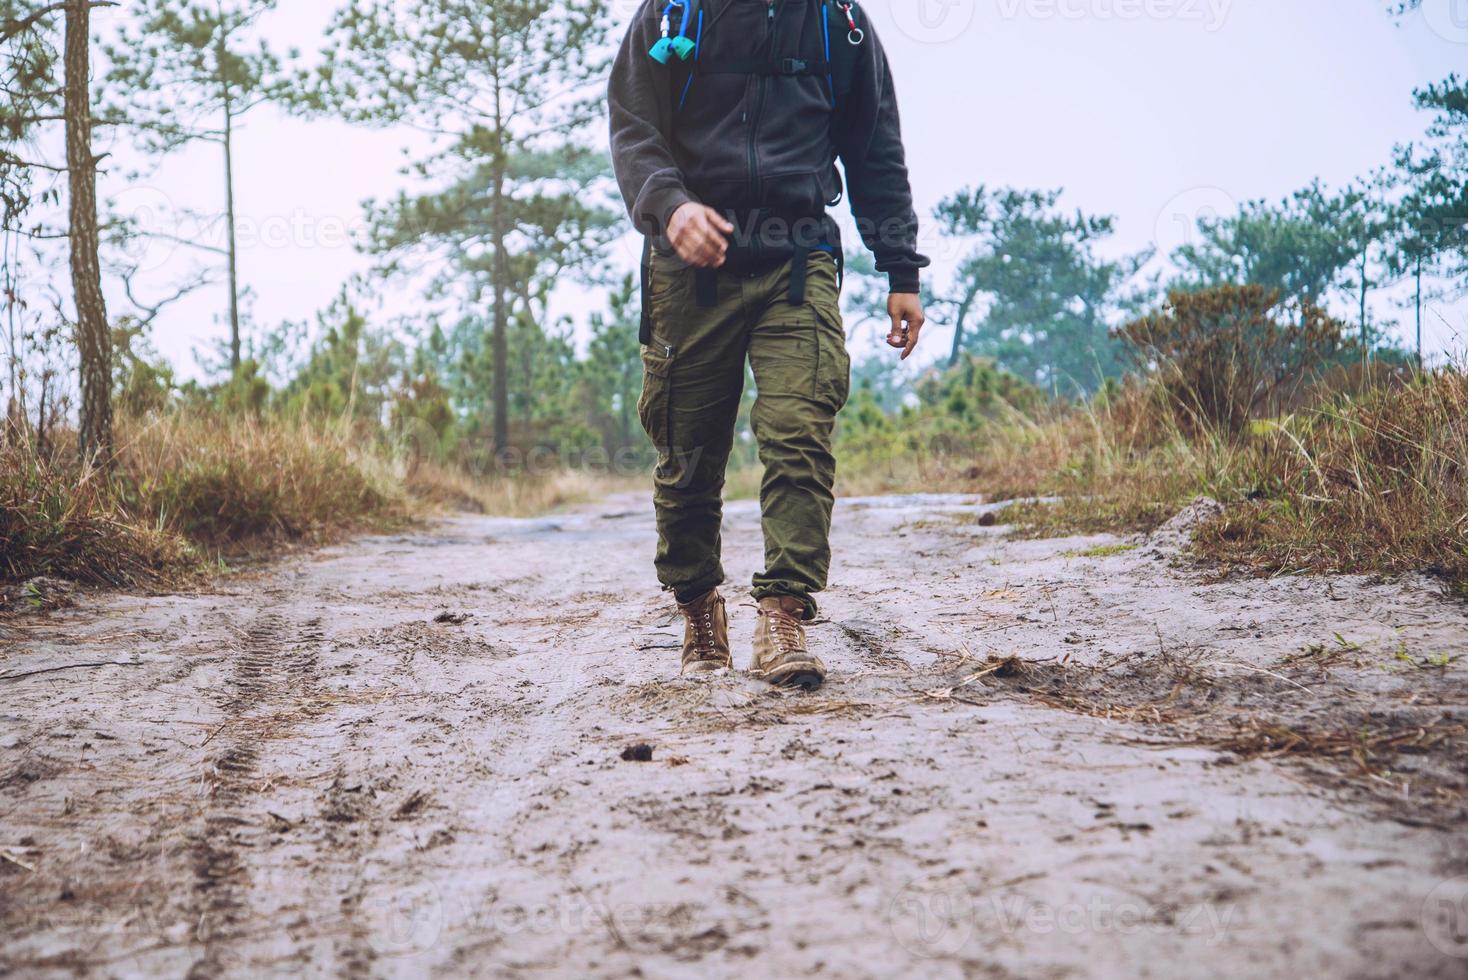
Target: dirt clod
(414, 803)
(449, 618)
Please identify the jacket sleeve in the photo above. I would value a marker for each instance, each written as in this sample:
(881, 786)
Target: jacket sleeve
(639, 97)
(868, 137)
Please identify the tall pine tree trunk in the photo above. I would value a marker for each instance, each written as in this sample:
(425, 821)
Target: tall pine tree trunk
(1365, 284)
(501, 286)
(1419, 312)
(229, 218)
(958, 325)
(93, 341)
(229, 221)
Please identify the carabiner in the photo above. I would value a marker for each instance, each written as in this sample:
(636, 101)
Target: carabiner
(856, 35)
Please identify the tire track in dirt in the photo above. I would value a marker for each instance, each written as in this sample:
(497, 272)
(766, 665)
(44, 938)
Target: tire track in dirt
(275, 666)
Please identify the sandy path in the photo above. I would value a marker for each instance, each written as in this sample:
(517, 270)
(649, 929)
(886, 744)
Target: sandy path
(309, 773)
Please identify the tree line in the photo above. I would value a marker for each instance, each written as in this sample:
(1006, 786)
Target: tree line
(513, 199)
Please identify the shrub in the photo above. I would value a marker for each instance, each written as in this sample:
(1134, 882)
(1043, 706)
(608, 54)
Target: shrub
(1230, 354)
(58, 521)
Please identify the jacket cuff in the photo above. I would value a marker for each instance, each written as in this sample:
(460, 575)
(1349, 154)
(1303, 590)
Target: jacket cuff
(659, 207)
(903, 281)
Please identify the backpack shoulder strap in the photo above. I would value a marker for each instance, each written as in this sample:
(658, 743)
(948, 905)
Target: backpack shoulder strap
(843, 34)
(682, 69)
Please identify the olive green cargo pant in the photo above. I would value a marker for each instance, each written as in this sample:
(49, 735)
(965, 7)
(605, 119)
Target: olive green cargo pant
(693, 380)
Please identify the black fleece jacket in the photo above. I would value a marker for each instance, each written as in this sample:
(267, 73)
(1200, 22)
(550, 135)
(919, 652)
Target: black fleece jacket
(756, 135)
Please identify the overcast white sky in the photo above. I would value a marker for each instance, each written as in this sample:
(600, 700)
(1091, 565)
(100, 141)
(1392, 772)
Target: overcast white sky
(1151, 110)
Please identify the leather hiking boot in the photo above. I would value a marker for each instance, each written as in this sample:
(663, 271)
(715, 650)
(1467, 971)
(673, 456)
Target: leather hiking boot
(780, 654)
(705, 634)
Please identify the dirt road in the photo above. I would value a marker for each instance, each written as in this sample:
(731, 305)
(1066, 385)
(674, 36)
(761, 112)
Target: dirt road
(403, 755)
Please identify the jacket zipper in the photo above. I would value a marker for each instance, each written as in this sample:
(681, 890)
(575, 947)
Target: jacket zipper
(759, 108)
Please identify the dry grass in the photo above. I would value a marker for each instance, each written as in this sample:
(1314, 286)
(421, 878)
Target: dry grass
(1366, 744)
(227, 482)
(59, 522)
(1371, 480)
(1376, 482)
(445, 488)
(185, 487)
(191, 486)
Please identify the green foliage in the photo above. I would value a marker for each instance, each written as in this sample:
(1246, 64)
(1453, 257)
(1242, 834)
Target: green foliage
(514, 200)
(180, 72)
(951, 413)
(143, 382)
(1297, 248)
(30, 73)
(349, 370)
(1050, 298)
(1433, 213)
(611, 374)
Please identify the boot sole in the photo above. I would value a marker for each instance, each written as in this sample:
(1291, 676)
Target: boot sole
(704, 667)
(806, 676)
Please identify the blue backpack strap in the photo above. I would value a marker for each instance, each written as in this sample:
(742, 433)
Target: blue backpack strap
(681, 23)
(695, 12)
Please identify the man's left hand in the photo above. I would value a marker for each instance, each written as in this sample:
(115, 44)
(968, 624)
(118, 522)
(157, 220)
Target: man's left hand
(906, 311)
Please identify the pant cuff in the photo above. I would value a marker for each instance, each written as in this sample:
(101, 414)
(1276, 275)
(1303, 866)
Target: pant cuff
(685, 594)
(783, 591)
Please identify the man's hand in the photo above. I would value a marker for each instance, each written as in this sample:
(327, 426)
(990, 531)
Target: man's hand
(700, 234)
(906, 311)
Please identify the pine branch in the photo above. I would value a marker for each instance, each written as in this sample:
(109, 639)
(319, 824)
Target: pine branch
(8, 160)
(18, 27)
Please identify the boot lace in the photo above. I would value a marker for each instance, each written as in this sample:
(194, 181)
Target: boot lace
(784, 631)
(703, 633)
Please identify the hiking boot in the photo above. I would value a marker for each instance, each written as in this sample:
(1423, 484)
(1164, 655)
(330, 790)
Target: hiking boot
(705, 634)
(780, 654)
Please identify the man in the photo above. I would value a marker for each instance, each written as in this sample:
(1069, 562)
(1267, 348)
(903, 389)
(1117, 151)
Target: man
(727, 118)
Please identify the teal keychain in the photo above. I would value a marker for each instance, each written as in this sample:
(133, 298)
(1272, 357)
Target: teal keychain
(667, 46)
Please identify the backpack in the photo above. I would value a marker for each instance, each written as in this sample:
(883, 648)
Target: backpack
(681, 51)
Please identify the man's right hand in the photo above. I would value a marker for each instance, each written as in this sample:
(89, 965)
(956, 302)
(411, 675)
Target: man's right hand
(700, 234)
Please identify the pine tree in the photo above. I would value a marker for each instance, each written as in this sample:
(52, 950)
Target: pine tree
(507, 87)
(37, 98)
(185, 73)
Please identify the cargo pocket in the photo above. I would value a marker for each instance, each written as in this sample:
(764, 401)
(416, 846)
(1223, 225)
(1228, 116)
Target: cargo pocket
(833, 373)
(667, 274)
(833, 367)
(654, 405)
(785, 356)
